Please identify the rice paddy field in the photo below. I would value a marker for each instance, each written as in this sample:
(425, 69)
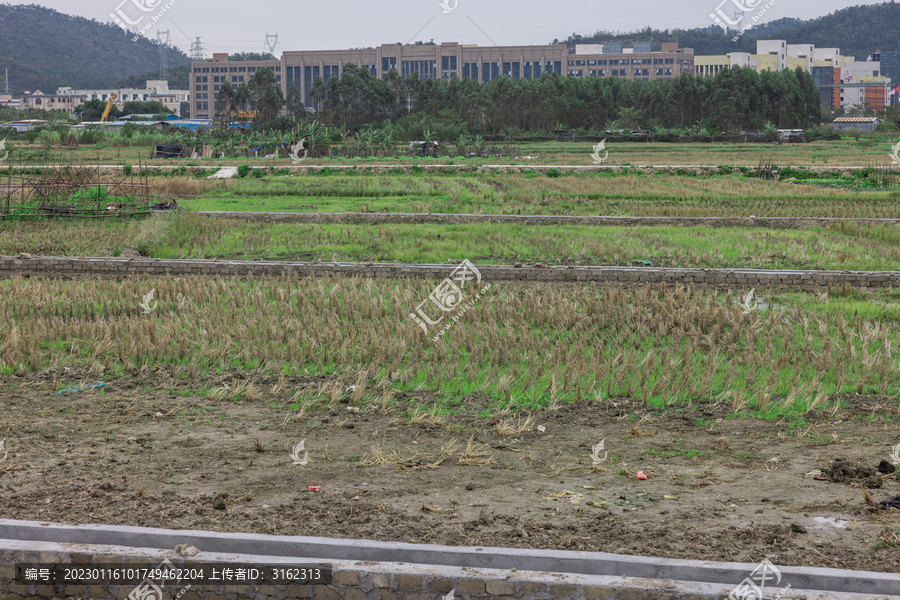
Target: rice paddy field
(493, 192)
(524, 423)
(849, 151)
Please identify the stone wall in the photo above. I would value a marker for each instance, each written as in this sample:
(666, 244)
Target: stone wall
(116, 268)
(352, 580)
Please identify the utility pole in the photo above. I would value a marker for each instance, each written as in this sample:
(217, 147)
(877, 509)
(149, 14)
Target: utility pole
(6, 79)
(197, 51)
(163, 38)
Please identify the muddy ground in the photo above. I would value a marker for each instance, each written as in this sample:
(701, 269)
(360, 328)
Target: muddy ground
(150, 451)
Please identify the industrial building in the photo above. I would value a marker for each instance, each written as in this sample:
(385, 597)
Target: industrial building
(842, 81)
(445, 61)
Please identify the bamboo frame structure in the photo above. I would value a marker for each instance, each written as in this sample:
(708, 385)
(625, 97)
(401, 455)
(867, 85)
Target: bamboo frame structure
(73, 191)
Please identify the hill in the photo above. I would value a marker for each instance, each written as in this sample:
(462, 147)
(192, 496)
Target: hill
(45, 49)
(858, 31)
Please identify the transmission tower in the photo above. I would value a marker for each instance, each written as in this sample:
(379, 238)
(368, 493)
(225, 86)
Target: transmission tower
(197, 51)
(271, 43)
(163, 38)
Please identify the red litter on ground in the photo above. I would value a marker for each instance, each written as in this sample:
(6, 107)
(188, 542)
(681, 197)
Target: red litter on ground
(315, 488)
(640, 475)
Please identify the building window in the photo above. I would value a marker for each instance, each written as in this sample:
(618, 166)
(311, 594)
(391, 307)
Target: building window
(646, 61)
(516, 70)
(637, 72)
(571, 63)
(659, 71)
(602, 72)
(615, 72)
(592, 63)
(668, 71)
(507, 69)
(579, 63)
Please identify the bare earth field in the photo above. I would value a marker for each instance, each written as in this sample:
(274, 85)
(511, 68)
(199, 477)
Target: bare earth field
(135, 453)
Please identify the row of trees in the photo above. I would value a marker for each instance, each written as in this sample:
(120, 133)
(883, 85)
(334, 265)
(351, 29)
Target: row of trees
(92, 110)
(735, 99)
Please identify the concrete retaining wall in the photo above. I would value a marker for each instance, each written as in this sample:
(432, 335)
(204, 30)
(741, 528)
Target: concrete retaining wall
(461, 219)
(388, 579)
(115, 268)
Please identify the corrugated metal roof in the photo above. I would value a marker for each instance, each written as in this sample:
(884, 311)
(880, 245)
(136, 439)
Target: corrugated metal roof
(855, 119)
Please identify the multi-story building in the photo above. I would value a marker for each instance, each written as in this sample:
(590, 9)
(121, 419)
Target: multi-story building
(890, 67)
(714, 64)
(10, 101)
(872, 97)
(154, 91)
(771, 55)
(42, 101)
(208, 76)
(444, 61)
(830, 70)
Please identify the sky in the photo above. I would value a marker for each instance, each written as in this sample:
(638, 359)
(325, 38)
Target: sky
(242, 25)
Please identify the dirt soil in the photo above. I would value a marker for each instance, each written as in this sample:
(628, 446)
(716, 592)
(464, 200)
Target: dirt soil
(147, 450)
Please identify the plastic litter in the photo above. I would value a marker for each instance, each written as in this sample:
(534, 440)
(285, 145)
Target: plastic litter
(90, 387)
(640, 475)
(315, 488)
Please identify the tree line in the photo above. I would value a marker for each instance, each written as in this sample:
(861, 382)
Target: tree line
(736, 99)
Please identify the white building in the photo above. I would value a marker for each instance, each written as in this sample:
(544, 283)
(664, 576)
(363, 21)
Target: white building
(776, 49)
(864, 72)
(827, 57)
(156, 91)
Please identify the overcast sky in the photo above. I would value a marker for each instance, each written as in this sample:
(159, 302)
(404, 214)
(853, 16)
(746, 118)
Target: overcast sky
(242, 25)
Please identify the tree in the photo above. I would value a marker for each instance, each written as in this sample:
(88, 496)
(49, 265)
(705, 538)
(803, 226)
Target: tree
(225, 105)
(92, 110)
(266, 98)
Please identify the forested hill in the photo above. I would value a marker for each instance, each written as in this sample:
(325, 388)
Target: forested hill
(858, 31)
(45, 49)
